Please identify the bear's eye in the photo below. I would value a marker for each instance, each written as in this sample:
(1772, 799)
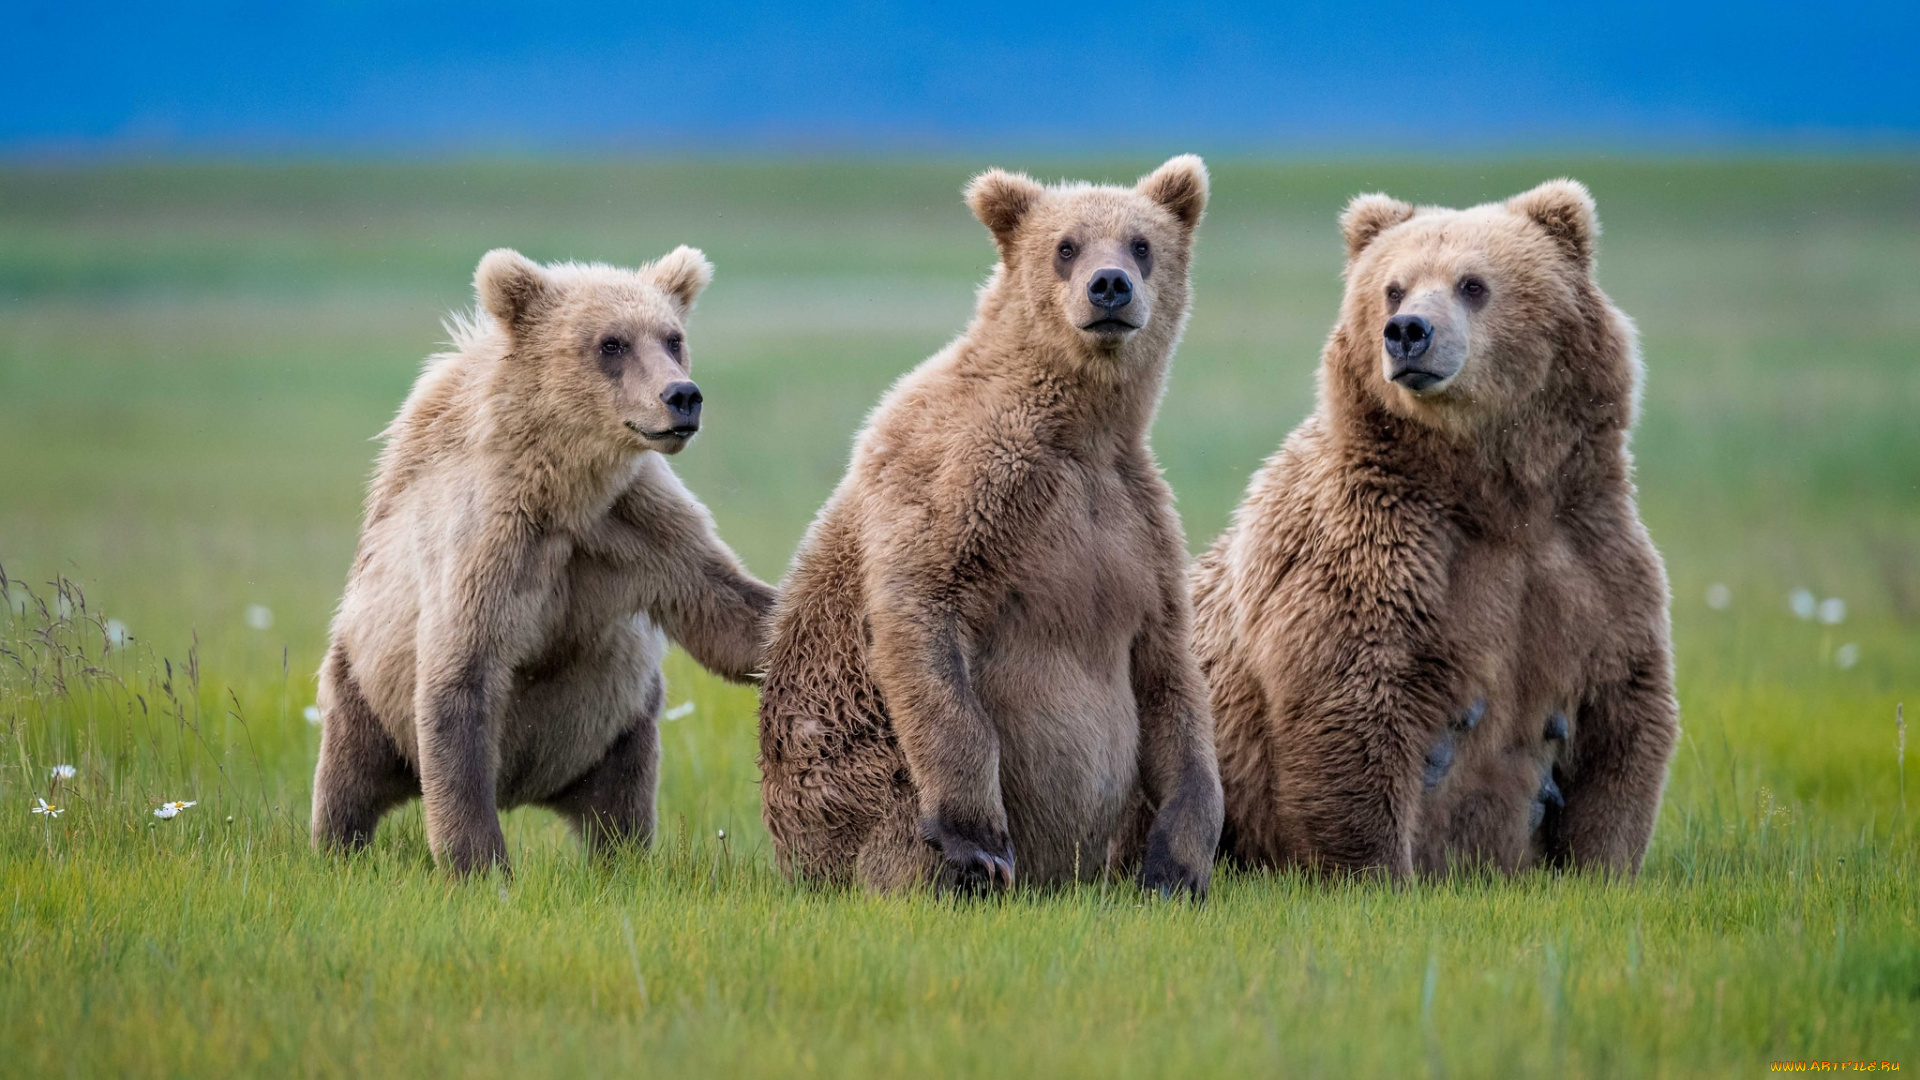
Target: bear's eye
(1140, 249)
(1395, 294)
(1473, 289)
(612, 346)
(1067, 251)
(674, 342)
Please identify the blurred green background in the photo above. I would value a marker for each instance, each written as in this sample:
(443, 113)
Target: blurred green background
(193, 359)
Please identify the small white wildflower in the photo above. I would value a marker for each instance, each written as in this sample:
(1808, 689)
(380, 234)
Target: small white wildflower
(1833, 611)
(50, 811)
(1803, 603)
(1719, 597)
(260, 616)
(117, 636)
(678, 712)
(172, 809)
(63, 772)
(1846, 656)
(723, 834)
(312, 713)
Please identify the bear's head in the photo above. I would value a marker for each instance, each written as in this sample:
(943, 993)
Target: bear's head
(1453, 316)
(598, 350)
(1095, 269)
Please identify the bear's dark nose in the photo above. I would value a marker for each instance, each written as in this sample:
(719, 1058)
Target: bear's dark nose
(1110, 289)
(1408, 336)
(683, 403)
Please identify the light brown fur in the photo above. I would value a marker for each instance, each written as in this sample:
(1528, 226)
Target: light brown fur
(1419, 582)
(981, 656)
(526, 553)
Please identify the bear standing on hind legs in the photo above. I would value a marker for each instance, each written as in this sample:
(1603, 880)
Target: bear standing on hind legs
(526, 555)
(1436, 631)
(982, 658)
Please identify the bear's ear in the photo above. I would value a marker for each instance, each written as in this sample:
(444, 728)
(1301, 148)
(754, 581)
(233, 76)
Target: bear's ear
(510, 286)
(1565, 209)
(1000, 199)
(1367, 216)
(1181, 186)
(682, 274)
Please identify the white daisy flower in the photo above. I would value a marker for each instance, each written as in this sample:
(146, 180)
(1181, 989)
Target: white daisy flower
(1846, 656)
(312, 713)
(63, 772)
(1803, 603)
(117, 636)
(1833, 611)
(678, 712)
(260, 616)
(1719, 597)
(172, 809)
(50, 811)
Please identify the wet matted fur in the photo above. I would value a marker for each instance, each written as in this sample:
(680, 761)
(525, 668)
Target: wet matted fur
(1436, 631)
(526, 554)
(981, 657)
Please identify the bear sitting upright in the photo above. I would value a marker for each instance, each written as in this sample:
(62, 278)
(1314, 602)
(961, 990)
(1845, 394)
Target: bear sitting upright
(525, 556)
(982, 657)
(1436, 631)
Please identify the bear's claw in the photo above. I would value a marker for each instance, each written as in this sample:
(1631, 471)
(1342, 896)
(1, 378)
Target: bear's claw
(1439, 762)
(1166, 877)
(974, 861)
(1474, 714)
(1549, 794)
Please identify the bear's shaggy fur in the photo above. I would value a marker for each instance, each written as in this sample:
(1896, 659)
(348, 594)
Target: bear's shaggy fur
(526, 553)
(1436, 631)
(982, 652)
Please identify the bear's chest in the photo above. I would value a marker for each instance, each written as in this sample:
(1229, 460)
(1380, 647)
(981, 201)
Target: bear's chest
(584, 594)
(1524, 615)
(1085, 574)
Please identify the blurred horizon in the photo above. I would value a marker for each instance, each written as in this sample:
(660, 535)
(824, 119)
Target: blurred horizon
(484, 78)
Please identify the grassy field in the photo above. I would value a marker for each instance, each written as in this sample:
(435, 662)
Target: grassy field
(194, 358)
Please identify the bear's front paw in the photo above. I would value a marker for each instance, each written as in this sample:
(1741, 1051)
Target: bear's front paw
(1170, 876)
(1548, 796)
(975, 859)
(475, 852)
(1439, 761)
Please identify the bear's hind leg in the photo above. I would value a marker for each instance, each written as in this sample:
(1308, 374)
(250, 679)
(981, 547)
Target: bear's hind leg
(612, 805)
(1613, 771)
(361, 774)
(893, 857)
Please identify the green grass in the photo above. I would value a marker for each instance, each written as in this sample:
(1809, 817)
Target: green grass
(194, 357)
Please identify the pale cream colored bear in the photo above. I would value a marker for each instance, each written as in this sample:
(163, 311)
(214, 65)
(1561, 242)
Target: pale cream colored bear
(527, 554)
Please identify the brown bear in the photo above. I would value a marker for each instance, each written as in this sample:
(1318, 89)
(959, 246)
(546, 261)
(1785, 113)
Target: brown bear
(1436, 633)
(982, 655)
(526, 554)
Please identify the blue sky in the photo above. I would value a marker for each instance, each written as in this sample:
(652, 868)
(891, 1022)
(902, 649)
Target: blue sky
(1387, 78)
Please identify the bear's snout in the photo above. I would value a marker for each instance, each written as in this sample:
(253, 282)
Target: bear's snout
(1408, 336)
(682, 400)
(1408, 339)
(1110, 290)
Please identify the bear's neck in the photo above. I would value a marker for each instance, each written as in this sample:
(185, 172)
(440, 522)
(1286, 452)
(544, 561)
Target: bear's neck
(1094, 400)
(1532, 461)
(555, 470)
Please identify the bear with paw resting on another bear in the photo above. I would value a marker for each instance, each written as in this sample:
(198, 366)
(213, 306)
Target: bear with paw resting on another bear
(526, 555)
(981, 660)
(1436, 631)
